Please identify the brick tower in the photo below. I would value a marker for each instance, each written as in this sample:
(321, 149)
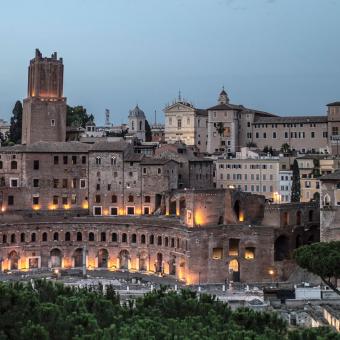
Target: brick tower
(44, 109)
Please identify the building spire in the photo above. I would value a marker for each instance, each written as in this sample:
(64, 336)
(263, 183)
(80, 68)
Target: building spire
(179, 95)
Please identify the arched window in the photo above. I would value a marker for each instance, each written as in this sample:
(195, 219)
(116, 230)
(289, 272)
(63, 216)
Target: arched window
(98, 161)
(130, 198)
(13, 238)
(56, 237)
(103, 236)
(44, 237)
(133, 238)
(285, 218)
(166, 241)
(114, 199)
(142, 239)
(133, 125)
(67, 236)
(4, 238)
(91, 237)
(1, 165)
(34, 237)
(114, 237)
(140, 125)
(22, 237)
(281, 248)
(14, 165)
(79, 236)
(159, 240)
(147, 199)
(298, 217)
(152, 239)
(113, 160)
(124, 238)
(327, 200)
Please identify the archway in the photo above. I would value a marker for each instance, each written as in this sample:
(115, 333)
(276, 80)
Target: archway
(143, 261)
(172, 265)
(103, 258)
(13, 258)
(281, 248)
(234, 270)
(78, 258)
(56, 258)
(159, 263)
(237, 209)
(124, 257)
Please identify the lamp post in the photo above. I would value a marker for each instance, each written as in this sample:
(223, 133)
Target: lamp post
(199, 281)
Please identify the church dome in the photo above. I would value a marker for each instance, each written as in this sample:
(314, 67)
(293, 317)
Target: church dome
(137, 112)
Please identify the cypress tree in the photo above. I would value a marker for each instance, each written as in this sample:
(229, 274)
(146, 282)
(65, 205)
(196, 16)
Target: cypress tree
(16, 124)
(296, 187)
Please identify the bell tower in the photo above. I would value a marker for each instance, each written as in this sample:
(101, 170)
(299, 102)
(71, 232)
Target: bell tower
(44, 109)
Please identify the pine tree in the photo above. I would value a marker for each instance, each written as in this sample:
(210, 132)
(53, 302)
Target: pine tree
(16, 124)
(296, 187)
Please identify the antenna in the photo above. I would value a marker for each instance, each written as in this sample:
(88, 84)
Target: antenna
(155, 117)
(107, 117)
(179, 95)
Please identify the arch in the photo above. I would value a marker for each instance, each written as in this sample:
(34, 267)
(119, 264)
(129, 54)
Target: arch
(133, 238)
(234, 270)
(298, 217)
(142, 239)
(34, 237)
(327, 200)
(114, 237)
(172, 265)
(79, 236)
(78, 257)
(124, 238)
(14, 165)
(56, 236)
(285, 218)
(22, 237)
(4, 238)
(44, 237)
(152, 239)
(1, 165)
(56, 258)
(166, 241)
(298, 241)
(124, 258)
(237, 209)
(281, 248)
(159, 263)
(103, 258)
(143, 261)
(159, 240)
(67, 236)
(91, 237)
(13, 239)
(103, 236)
(13, 258)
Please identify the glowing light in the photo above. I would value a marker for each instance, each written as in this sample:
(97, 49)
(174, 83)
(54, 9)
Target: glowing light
(36, 207)
(3, 209)
(106, 212)
(85, 205)
(249, 254)
(138, 211)
(67, 262)
(91, 263)
(276, 197)
(199, 217)
(66, 206)
(271, 272)
(241, 217)
(52, 207)
(56, 271)
(121, 211)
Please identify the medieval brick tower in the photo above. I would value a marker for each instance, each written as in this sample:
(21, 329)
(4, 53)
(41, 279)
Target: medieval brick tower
(44, 111)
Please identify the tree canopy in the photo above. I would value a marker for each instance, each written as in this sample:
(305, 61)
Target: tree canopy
(46, 310)
(322, 259)
(15, 130)
(77, 116)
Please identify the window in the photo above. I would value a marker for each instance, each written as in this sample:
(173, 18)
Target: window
(91, 237)
(73, 199)
(130, 198)
(249, 253)
(312, 134)
(113, 199)
(114, 211)
(35, 165)
(55, 160)
(13, 238)
(152, 239)
(103, 236)
(74, 183)
(55, 200)
(55, 183)
(142, 239)
(147, 199)
(83, 183)
(14, 165)
(65, 159)
(79, 236)
(97, 199)
(144, 171)
(108, 187)
(97, 186)
(113, 160)
(64, 200)
(133, 238)
(56, 237)
(65, 184)
(83, 159)
(52, 122)
(217, 253)
(44, 237)
(124, 238)
(98, 160)
(14, 182)
(22, 237)
(33, 237)
(35, 182)
(35, 200)
(146, 210)
(159, 240)
(233, 246)
(97, 211)
(114, 237)
(159, 171)
(67, 236)
(130, 210)
(74, 159)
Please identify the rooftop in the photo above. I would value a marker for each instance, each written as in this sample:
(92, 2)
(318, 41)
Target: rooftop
(295, 119)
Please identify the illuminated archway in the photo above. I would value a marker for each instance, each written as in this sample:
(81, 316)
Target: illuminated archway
(103, 258)
(13, 258)
(234, 270)
(56, 257)
(124, 257)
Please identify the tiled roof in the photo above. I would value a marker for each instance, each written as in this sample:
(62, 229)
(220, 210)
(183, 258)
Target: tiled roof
(334, 104)
(222, 107)
(156, 161)
(295, 119)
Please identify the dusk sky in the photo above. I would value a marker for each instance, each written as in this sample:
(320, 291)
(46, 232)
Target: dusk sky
(280, 56)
